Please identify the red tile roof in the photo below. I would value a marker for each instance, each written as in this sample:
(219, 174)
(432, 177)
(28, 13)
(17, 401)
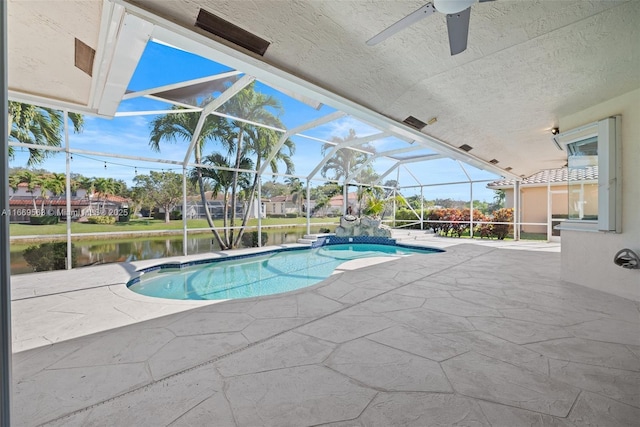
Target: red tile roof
(552, 176)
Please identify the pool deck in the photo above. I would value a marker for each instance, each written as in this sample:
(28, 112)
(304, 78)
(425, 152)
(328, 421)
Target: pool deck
(484, 334)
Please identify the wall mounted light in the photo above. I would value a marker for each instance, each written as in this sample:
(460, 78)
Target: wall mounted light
(555, 132)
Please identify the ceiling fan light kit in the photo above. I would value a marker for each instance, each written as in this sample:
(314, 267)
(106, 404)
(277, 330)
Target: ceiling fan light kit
(452, 6)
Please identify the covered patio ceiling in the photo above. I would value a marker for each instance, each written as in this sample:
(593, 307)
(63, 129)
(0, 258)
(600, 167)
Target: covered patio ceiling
(527, 63)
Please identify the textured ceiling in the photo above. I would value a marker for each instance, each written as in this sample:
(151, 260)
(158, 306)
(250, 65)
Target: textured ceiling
(527, 63)
(40, 43)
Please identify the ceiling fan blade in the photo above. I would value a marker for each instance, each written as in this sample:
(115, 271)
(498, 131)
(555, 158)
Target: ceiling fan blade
(458, 28)
(412, 18)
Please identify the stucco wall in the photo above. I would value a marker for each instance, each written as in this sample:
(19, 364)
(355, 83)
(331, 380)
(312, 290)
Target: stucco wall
(587, 257)
(534, 205)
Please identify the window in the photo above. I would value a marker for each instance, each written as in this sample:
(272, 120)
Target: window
(583, 179)
(593, 159)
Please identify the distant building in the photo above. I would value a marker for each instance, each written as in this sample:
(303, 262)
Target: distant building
(336, 204)
(280, 205)
(23, 204)
(195, 208)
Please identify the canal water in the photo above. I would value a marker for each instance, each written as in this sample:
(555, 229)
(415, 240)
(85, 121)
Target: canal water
(93, 252)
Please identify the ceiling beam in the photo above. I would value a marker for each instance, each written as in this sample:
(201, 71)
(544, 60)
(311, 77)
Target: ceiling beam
(180, 85)
(421, 158)
(132, 38)
(306, 126)
(245, 81)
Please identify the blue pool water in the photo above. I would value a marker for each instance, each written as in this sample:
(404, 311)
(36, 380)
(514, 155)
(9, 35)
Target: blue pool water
(265, 274)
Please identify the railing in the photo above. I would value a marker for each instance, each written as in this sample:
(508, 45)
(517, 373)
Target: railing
(470, 225)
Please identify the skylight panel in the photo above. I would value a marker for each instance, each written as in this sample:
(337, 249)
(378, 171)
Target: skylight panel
(176, 66)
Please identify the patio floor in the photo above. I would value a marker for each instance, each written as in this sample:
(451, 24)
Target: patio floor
(484, 334)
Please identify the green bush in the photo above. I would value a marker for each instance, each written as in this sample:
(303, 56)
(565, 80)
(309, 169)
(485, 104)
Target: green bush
(48, 256)
(102, 219)
(44, 220)
(324, 230)
(291, 215)
(404, 214)
(175, 215)
(124, 218)
(250, 239)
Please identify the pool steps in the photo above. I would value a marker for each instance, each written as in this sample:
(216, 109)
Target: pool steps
(310, 239)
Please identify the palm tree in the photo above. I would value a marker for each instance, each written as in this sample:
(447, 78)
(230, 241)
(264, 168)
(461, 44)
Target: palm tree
(241, 140)
(54, 183)
(260, 143)
(106, 187)
(255, 141)
(31, 179)
(221, 181)
(344, 161)
(182, 126)
(88, 185)
(296, 190)
(38, 125)
(499, 197)
(14, 181)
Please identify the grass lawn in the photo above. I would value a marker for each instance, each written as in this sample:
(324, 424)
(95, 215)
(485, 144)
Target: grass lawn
(146, 224)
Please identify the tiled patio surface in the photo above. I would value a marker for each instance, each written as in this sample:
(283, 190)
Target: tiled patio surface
(482, 335)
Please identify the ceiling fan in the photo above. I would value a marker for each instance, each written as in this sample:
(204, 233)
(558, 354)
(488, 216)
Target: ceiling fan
(458, 13)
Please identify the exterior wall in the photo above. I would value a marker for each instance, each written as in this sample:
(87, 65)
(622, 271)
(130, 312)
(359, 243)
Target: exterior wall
(534, 209)
(534, 205)
(280, 208)
(23, 192)
(587, 257)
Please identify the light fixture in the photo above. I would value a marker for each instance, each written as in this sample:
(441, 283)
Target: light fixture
(452, 6)
(554, 138)
(432, 120)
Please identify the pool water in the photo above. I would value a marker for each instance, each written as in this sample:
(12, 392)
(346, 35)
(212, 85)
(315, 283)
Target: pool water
(259, 275)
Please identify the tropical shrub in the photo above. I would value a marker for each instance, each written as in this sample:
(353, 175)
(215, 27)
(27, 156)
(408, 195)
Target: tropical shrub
(44, 220)
(459, 221)
(48, 256)
(500, 231)
(102, 219)
(404, 214)
(482, 230)
(250, 239)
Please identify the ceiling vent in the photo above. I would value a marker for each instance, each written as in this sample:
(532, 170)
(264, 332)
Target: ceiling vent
(414, 123)
(466, 147)
(494, 161)
(224, 29)
(84, 56)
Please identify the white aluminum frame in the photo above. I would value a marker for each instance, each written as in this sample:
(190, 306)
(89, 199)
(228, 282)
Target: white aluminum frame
(608, 132)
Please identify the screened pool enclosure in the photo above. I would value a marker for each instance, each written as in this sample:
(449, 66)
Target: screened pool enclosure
(238, 145)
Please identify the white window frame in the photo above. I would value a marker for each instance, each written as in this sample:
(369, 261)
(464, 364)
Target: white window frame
(608, 132)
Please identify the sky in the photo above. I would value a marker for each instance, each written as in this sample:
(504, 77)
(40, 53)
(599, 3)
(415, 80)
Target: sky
(162, 65)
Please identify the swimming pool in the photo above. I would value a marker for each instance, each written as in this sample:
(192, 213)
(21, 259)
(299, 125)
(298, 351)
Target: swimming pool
(263, 274)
